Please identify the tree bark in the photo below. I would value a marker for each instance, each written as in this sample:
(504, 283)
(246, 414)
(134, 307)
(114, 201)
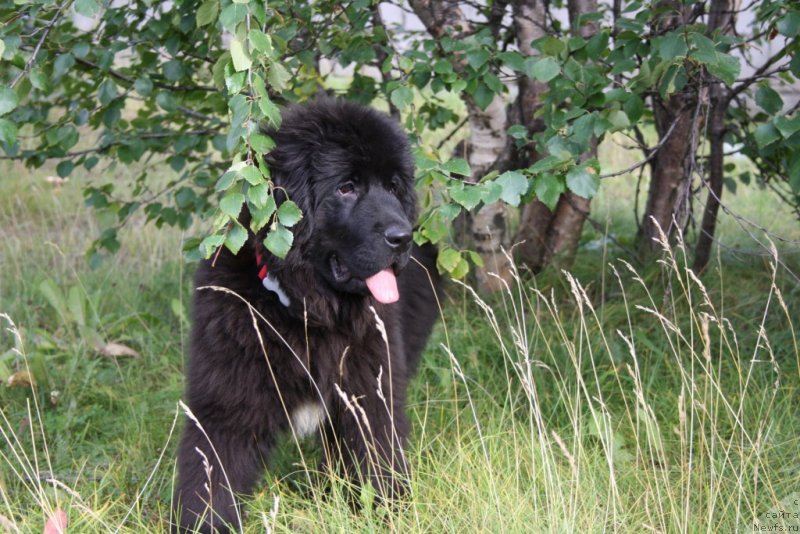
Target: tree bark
(545, 236)
(667, 205)
(486, 142)
(667, 197)
(529, 20)
(720, 18)
(564, 232)
(572, 210)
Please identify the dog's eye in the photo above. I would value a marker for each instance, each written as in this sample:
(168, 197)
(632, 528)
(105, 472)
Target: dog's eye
(393, 186)
(346, 188)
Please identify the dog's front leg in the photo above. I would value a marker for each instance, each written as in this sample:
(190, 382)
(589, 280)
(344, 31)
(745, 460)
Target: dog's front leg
(209, 477)
(368, 429)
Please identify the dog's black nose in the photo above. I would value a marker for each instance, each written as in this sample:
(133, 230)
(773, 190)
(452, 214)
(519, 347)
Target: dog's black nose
(397, 236)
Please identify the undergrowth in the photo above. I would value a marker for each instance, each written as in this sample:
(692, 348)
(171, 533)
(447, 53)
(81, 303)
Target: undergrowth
(613, 398)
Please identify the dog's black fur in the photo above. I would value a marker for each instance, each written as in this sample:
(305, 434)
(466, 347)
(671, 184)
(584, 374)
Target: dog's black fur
(253, 361)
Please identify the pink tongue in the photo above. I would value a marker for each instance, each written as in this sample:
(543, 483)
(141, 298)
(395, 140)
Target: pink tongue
(383, 286)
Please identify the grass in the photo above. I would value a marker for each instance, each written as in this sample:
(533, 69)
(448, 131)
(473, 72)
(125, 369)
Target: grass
(615, 398)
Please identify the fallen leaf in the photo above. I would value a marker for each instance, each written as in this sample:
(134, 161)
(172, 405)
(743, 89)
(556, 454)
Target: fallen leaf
(116, 350)
(7, 524)
(21, 379)
(56, 523)
(56, 181)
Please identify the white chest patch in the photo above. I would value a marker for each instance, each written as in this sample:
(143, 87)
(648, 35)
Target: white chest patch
(307, 418)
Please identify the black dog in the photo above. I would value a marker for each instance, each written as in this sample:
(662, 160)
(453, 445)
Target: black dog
(293, 342)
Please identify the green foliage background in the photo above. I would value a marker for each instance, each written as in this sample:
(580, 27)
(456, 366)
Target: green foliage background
(190, 85)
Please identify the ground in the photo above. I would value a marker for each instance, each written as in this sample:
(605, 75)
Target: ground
(619, 398)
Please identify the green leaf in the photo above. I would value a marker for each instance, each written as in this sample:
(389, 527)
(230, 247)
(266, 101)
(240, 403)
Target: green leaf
(765, 134)
(262, 214)
(477, 57)
(671, 45)
(491, 191)
(81, 49)
(279, 240)
(634, 108)
(726, 68)
(468, 196)
(87, 8)
(231, 204)
(722, 65)
(8, 100)
(270, 111)
(107, 92)
(769, 100)
(448, 259)
(167, 101)
(261, 143)
(543, 69)
(483, 95)
(236, 237)
(63, 64)
(251, 174)
(518, 131)
(546, 164)
(241, 59)
(64, 168)
(794, 65)
(514, 184)
(234, 81)
(185, 197)
(2, 48)
(289, 214)
(787, 126)
(262, 42)
(442, 66)
(512, 60)
(173, 70)
(210, 244)
(618, 119)
(493, 83)
(278, 76)
(8, 132)
(225, 181)
(457, 166)
(789, 24)
(475, 258)
(402, 97)
(207, 13)
(259, 195)
(232, 15)
(730, 184)
(583, 181)
(548, 189)
(597, 45)
(143, 86)
(461, 269)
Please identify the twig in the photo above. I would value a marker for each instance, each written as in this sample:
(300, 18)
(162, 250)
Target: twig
(39, 44)
(452, 133)
(106, 146)
(160, 85)
(651, 153)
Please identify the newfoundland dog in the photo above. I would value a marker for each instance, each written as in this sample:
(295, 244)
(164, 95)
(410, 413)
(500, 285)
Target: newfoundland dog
(326, 337)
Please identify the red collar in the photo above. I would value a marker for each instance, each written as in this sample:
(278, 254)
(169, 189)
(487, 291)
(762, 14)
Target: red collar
(270, 283)
(262, 272)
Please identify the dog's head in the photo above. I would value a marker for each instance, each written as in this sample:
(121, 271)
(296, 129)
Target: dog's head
(350, 170)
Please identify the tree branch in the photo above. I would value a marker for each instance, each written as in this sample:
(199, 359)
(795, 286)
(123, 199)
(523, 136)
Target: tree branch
(118, 75)
(651, 153)
(39, 44)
